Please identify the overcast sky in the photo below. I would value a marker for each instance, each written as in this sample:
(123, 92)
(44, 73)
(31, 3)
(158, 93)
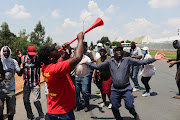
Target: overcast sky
(63, 19)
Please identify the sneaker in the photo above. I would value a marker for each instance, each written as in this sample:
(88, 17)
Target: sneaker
(86, 109)
(135, 89)
(42, 118)
(150, 90)
(146, 94)
(109, 106)
(102, 105)
(31, 118)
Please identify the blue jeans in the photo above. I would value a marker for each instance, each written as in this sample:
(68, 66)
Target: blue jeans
(81, 84)
(116, 96)
(134, 71)
(89, 83)
(66, 116)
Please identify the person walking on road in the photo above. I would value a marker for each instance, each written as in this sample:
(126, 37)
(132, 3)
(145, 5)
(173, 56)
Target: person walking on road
(62, 97)
(135, 52)
(31, 78)
(104, 78)
(8, 67)
(81, 83)
(147, 71)
(121, 88)
(176, 45)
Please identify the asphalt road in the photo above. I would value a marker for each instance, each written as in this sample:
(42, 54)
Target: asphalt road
(160, 106)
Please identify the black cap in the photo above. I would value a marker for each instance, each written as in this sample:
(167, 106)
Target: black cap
(118, 46)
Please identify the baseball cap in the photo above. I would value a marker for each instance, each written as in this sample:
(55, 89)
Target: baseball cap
(118, 46)
(100, 44)
(145, 48)
(31, 50)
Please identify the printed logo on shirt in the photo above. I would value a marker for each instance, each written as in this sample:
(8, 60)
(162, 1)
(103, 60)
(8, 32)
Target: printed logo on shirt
(52, 95)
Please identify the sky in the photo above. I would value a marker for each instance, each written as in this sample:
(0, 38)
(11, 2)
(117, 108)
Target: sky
(64, 19)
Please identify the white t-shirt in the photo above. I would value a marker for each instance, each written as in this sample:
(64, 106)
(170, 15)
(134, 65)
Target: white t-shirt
(136, 51)
(82, 70)
(149, 69)
(10, 68)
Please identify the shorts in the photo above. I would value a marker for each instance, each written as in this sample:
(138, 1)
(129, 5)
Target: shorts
(10, 98)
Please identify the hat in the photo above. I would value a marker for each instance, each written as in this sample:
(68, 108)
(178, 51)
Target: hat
(132, 43)
(31, 50)
(145, 48)
(102, 48)
(100, 44)
(118, 46)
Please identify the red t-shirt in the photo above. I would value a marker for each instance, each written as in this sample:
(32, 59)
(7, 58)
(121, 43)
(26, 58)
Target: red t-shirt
(61, 98)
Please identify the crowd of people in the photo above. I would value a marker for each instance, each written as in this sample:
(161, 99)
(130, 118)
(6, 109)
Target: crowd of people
(67, 74)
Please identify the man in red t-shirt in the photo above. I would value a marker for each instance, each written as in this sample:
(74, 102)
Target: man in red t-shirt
(61, 98)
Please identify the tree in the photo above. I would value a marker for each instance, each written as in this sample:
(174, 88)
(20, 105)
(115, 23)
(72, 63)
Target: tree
(104, 40)
(37, 37)
(114, 43)
(128, 41)
(21, 43)
(48, 41)
(6, 36)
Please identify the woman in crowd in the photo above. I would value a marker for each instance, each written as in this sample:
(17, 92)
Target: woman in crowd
(147, 72)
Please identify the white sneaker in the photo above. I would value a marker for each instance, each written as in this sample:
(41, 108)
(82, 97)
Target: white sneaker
(146, 94)
(135, 89)
(150, 90)
(102, 105)
(31, 118)
(42, 118)
(109, 106)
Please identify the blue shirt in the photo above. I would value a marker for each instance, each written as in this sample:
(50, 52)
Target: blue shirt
(120, 73)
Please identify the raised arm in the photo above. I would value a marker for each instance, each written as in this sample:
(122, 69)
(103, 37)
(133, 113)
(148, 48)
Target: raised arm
(98, 67)
(78, 53)
(146, 61)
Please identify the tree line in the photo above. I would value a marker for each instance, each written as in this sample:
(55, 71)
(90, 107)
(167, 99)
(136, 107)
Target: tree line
(21, 41)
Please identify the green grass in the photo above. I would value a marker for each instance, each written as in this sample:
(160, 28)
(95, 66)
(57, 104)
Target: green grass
(170, 56)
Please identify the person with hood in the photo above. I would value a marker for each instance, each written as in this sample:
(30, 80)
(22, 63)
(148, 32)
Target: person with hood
(121, 88)
(7, 86)
(176, 45)
(147, 72)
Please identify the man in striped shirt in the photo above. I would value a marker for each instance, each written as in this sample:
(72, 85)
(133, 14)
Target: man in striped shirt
(31, 81)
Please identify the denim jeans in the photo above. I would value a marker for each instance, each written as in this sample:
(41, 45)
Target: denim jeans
(134, 71)
(36, 96)
(66, 116)
(81, 84)
(89, 83)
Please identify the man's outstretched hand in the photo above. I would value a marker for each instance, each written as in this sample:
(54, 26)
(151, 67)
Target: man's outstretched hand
(159, 57)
